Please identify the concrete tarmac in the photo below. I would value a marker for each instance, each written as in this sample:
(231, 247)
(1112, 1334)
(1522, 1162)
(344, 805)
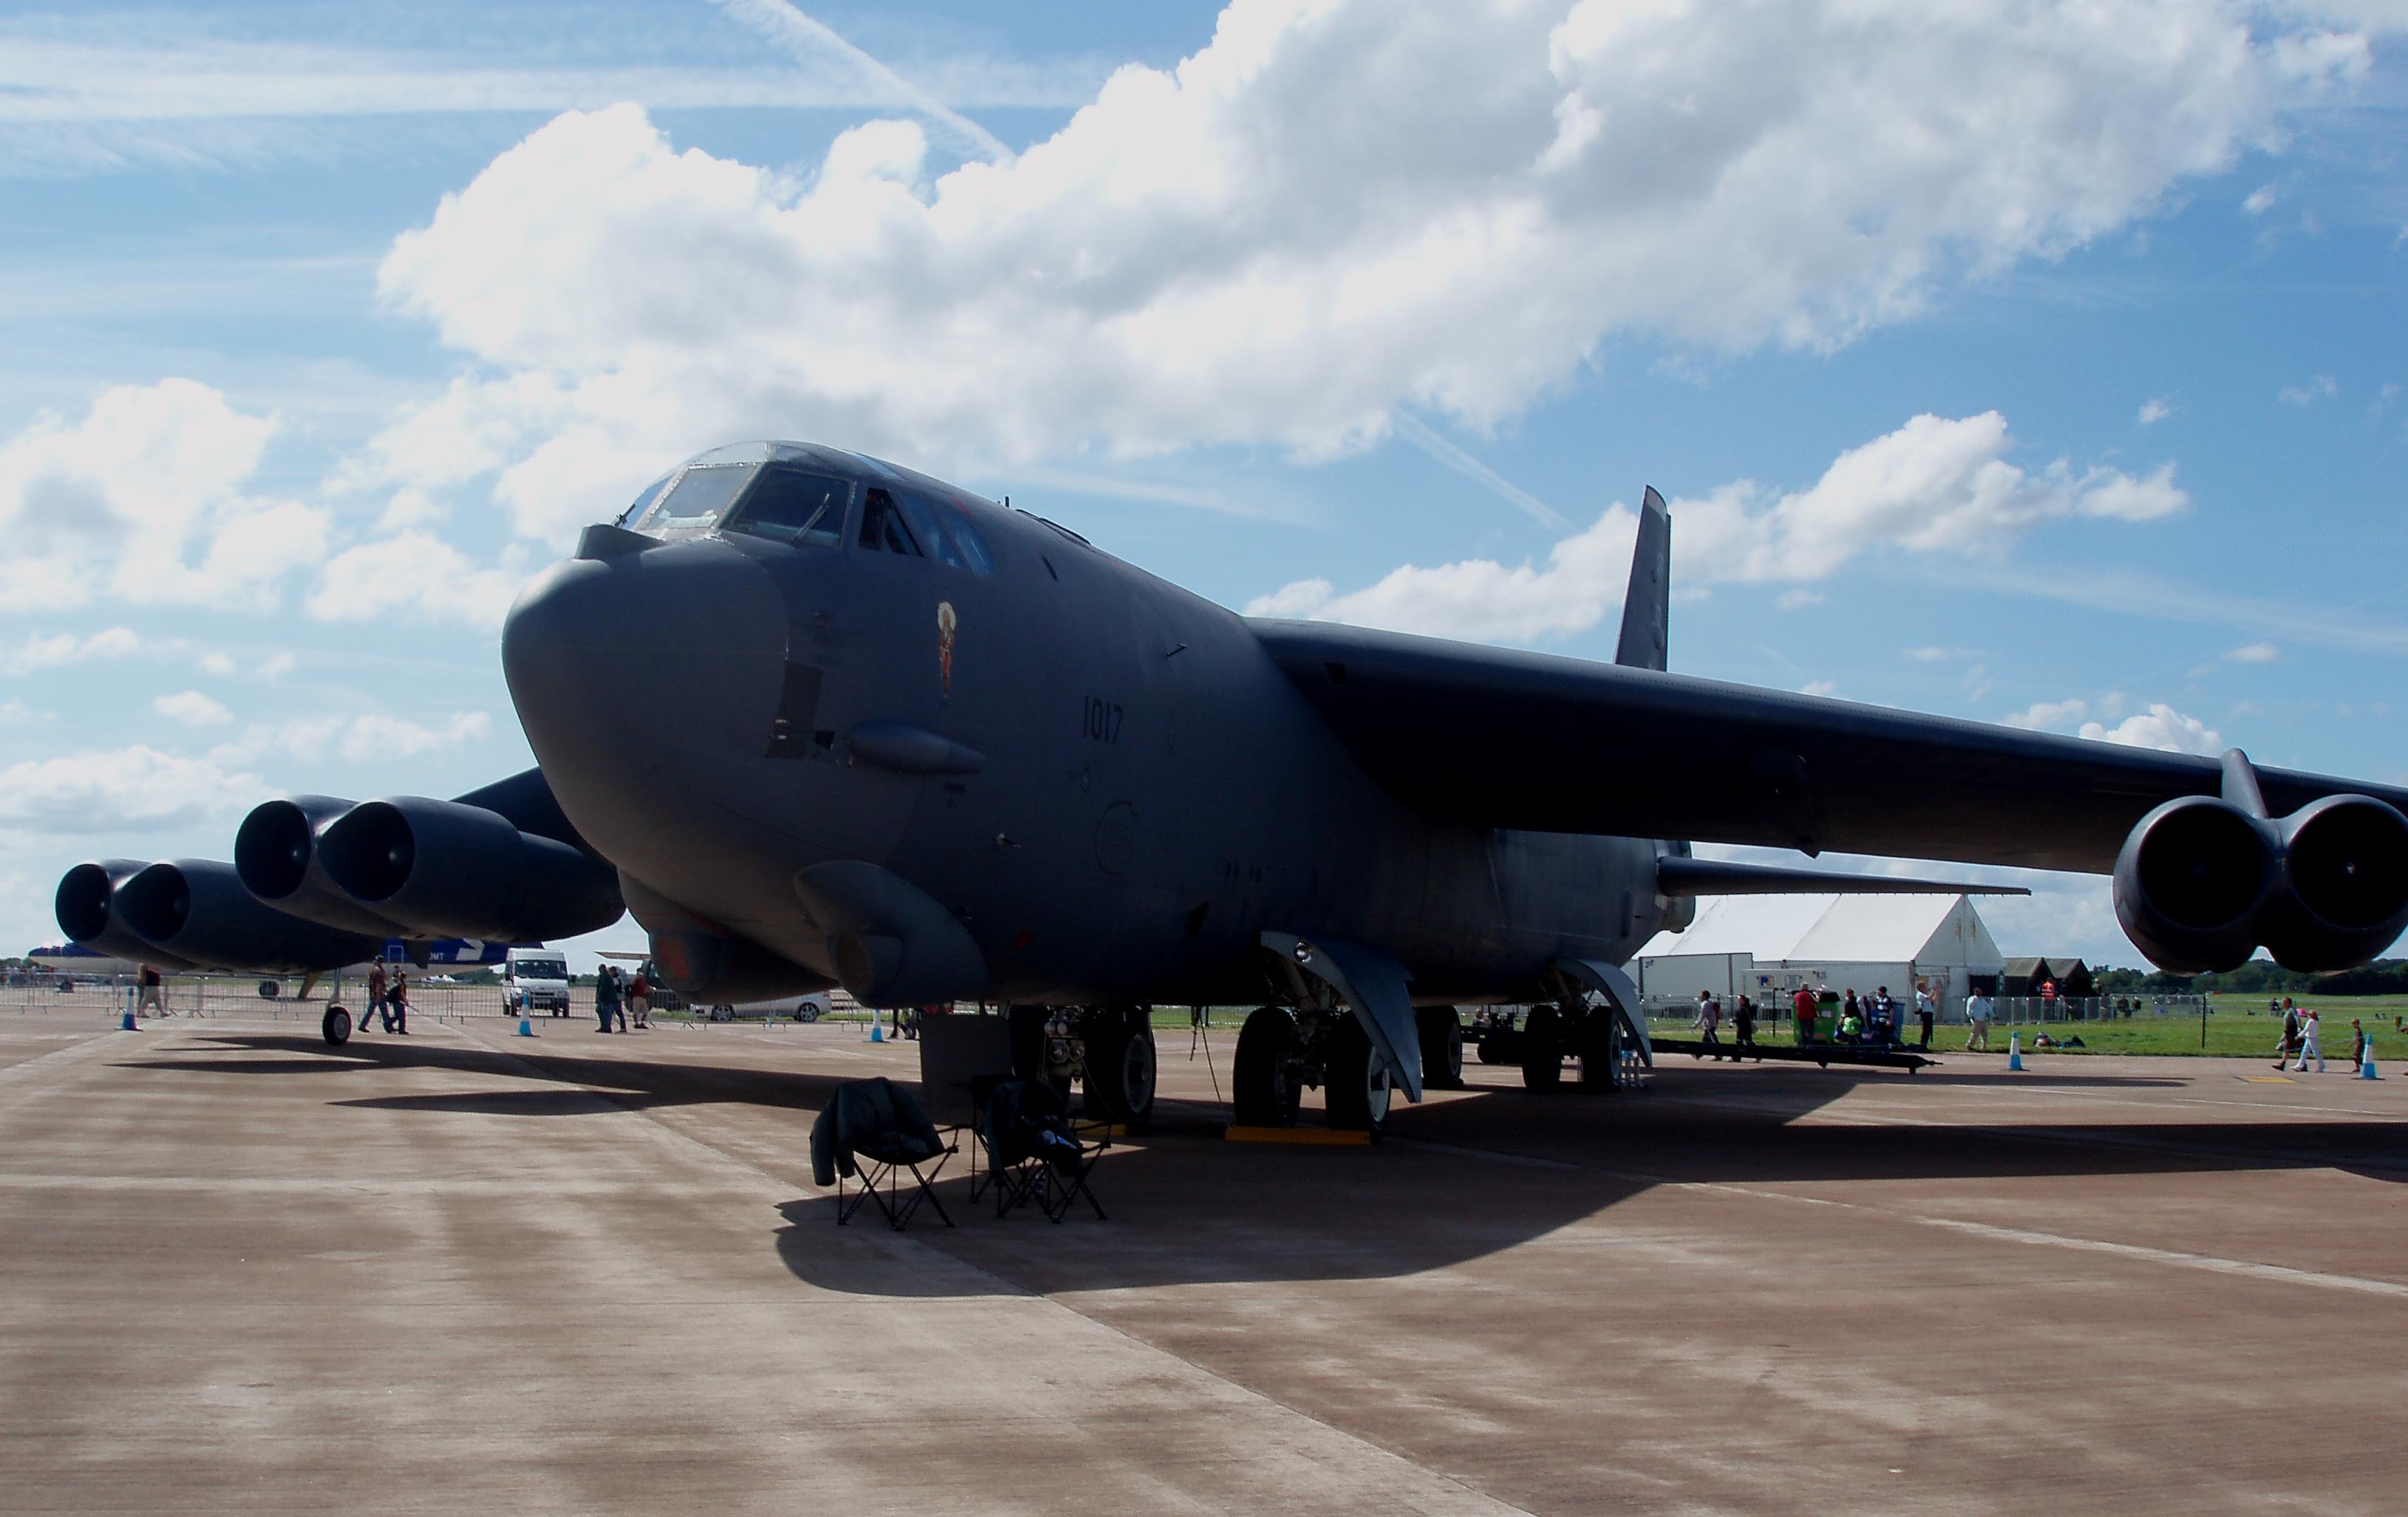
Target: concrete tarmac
(466, 1271)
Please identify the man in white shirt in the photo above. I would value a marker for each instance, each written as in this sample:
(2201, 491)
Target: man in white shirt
(1710, 1017)
(1925, 1011)
(1977, 1014)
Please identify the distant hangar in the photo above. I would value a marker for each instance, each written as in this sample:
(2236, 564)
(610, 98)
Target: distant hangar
(1768, 945)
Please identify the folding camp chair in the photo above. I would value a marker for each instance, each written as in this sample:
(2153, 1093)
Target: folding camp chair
(1033, 1155)
(875, 1132)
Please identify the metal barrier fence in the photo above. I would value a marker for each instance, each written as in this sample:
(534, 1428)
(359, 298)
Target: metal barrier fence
(431, 997)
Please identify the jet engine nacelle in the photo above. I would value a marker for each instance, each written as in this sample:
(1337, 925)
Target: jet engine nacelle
(2344, 895)
(2195, 883)
(88, 909)
(198, 910)
(275, 853)
(441, 869)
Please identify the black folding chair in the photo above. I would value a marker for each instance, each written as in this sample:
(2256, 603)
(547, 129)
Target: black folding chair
(1033, 1155)
(875, 1132)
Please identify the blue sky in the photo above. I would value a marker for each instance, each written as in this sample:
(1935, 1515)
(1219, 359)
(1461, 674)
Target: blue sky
(2029, 363)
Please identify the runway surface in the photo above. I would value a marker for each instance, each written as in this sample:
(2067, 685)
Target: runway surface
(465, 1271)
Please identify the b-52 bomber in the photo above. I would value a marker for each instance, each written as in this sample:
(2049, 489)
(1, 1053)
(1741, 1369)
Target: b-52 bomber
(909, 740)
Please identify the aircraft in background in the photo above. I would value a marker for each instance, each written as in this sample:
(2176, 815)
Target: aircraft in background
(930, 749)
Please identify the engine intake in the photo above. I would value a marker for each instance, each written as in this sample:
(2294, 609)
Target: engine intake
(86, 908)
(276, 854)
(198, 910)
(2195, 882)
(440, 868)
(2344, 885)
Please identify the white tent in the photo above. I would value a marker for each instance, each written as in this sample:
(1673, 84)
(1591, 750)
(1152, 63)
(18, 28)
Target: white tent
(1766, 945)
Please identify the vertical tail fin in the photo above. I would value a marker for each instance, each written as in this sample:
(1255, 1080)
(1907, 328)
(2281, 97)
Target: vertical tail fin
(1647, 607)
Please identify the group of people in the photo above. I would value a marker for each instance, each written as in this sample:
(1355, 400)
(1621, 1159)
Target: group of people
(617, 994)
(2300, 1043)
(1709, 1020)
(1877, 1020)
(388, 998)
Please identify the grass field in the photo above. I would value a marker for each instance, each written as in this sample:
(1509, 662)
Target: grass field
(2232, 1030)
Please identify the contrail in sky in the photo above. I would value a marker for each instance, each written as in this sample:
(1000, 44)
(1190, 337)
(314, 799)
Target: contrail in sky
(1414, 430)
(805, 37)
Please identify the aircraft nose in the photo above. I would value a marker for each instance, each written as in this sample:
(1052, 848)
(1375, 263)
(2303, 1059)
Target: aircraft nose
(634, 668)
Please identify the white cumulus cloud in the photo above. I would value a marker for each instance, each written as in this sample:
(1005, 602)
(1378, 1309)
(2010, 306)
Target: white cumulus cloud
(371, 735)
(2158, 727)
(413, 576)
(1336, 210)
(137, 789)
(193, 709)
(144, 499)
(1934, 487)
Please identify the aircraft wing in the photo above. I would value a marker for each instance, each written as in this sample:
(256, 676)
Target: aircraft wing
(1549, 744)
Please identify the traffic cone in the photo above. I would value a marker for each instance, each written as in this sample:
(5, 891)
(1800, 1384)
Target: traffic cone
(526, 1027)
(2014, 1050)
(877, 1033)
(125, 1023)
(2366, 1062)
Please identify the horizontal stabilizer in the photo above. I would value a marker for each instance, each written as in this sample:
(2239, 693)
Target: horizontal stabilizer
(1678, 877)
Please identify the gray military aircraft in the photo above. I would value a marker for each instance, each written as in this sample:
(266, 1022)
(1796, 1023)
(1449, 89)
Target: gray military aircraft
(913, 741)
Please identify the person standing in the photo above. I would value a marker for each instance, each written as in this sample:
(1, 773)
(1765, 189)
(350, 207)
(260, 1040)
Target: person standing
(606, 995)
(1801, 1006)
(150, 995)
(1925, 1011)
(2308, 1048)
(396, 1003)
(376, 1006)
(639, 998)
(2357, 1046)
(1977, 1016)
(1743, 1023)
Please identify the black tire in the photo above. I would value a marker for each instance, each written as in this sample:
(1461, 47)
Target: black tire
(1441, 1039)
(1500, 1046)
(1025, 1031)
(336, 1026)
(1598, 1042)
(1354, 1079)
(1543, 1050)
(1263, 1086)
(271, 989)
(1120, 1060)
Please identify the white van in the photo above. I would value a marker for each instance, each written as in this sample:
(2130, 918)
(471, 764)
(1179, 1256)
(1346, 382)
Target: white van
(536, 980)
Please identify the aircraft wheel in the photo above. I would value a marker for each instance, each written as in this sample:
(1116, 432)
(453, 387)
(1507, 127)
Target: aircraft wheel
(1121, 1068)
(271, 989)
(1266, 1086)
(1355, 1081)
(1543, 1050)
(1492, 1049)
(1600, 1041)
(1441, 1034)
(336, 1025)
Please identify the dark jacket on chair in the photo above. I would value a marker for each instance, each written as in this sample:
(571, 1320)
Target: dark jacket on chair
(876, 1118)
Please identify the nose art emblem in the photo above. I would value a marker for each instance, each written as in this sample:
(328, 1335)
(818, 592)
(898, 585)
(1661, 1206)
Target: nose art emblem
(946, 623)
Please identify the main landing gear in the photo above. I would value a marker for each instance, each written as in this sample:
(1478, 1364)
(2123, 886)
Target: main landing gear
(1590, 1031)
(1281, 1053)
(336, 1026)
(1107, 1052)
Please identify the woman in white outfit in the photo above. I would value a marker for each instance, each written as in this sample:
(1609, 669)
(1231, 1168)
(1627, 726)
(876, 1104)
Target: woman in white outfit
(2308, 1048)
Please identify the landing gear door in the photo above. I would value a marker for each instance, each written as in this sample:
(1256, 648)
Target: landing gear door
(1621, 993)
(1371, 984)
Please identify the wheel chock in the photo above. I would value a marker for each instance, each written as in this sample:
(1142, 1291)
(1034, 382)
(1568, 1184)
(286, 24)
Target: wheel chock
(1334, 1138)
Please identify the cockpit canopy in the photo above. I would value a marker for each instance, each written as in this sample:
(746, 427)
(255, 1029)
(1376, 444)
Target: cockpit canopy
(806, 496)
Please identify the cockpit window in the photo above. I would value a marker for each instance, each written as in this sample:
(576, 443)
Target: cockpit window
(702, 494)
(882, 526)
(906, 522)
(791, 506)
(644, 502)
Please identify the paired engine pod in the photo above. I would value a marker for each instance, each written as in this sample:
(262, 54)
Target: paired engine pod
(277, 854)
(89, 910)
(2344, 884)
(2195, 882)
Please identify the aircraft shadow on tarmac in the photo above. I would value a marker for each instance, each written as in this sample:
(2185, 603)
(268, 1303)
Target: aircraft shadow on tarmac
(1468, 1175)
